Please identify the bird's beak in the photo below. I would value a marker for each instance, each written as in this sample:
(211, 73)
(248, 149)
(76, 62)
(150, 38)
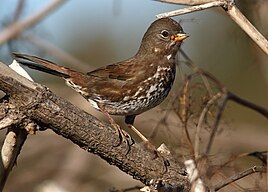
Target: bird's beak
(179, 37)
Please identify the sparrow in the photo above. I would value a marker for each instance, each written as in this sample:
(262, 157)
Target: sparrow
(130, 87)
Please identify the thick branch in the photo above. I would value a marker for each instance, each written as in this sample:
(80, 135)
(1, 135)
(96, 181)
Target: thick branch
(13, 142)
(46, 109)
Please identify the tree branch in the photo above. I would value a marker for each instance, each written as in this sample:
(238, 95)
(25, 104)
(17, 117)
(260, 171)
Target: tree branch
(230, 7)
(186, 2)
(13, 142)
(46, 109)
(240, 175)
(192, 9)
(17, 27)
(246, 26)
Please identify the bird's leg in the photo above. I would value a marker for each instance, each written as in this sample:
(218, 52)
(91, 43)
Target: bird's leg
(129, 120)
(143, 138)
(123, 136)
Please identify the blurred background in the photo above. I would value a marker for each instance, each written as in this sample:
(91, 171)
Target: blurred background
(85, 35)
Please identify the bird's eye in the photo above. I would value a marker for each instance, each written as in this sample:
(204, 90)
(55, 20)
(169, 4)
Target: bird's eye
(164, 33)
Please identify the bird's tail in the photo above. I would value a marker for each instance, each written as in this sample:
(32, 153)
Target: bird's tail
(42, 65)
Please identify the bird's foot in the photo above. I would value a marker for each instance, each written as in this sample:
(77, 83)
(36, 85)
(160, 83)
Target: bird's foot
(124, 137)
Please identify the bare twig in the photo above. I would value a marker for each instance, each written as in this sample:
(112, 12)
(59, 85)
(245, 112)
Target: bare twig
(184, 110)
(40, 105)
(192, 9)
(200, 121)
(216, 124)
(260, 155)
(240, 175)
(10, 150)
(16, 28)
(186, 2)
(248, 104)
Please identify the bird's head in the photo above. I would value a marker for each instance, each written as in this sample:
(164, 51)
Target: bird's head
(163, 36)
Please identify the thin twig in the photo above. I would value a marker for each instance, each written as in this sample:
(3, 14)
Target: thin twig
(186, 2)
(216, 124)
(234, 185)
(184, 110)
(192, 9)
(260, 155)
(195, 68)
(240, 175)
(200, 121)
(19, 9)
(248, 104)
(16, 28)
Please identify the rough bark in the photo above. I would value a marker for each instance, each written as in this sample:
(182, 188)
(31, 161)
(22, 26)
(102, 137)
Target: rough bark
(38, 104)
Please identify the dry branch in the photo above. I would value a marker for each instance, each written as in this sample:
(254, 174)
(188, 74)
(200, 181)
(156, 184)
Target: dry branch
(13, 142)
(246, 26)
(200, 121)
(43, 107)
(186, 2)
(240, 175)
(17, 27)
(192, 9)
(230, 7)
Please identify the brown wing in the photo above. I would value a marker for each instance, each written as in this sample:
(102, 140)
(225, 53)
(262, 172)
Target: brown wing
(122, 71)
(113, 82)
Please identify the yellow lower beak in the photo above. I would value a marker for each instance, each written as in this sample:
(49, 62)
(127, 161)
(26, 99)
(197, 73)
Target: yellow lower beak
(180, 37)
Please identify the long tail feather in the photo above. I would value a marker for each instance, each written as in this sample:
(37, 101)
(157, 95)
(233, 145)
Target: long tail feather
(41, 65)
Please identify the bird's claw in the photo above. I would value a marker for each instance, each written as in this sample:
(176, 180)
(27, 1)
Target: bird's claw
(124, 137)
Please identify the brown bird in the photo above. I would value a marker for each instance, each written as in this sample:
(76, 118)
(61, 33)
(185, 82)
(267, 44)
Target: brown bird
(129, 87)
